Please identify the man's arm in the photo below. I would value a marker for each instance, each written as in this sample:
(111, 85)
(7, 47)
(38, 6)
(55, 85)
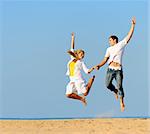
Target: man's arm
(128, 37)
(102, 63)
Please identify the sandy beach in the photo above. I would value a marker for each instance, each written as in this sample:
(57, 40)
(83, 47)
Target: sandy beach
(77, 126)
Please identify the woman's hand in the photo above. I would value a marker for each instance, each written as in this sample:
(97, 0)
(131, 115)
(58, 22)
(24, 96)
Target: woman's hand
(91, 69)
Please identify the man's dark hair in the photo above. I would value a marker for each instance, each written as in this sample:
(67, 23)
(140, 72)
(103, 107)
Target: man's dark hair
(114, 37)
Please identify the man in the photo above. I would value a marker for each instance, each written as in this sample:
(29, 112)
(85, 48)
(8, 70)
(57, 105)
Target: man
(113, 56)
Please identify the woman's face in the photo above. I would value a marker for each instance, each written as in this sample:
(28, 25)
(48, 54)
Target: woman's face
(81, 55)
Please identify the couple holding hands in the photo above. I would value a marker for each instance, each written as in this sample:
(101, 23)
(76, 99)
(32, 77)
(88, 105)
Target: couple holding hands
(77, 88)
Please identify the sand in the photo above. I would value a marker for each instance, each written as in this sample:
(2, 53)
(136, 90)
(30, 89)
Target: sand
(77, 126)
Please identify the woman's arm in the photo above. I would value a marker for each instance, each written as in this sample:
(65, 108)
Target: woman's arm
(91, 69)
(71, 51)
(72, 40)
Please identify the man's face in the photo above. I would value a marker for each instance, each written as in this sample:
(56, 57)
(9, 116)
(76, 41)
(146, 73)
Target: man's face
(112, 42)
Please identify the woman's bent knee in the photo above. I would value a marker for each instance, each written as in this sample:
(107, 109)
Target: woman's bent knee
(68, 95)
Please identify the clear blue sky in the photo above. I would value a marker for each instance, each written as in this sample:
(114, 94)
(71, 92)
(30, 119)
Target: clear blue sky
(34, 38)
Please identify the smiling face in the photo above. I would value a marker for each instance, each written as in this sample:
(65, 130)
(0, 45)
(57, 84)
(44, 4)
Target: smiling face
(81, 55)
(112, 42)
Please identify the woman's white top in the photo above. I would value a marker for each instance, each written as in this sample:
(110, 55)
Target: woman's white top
(79, 65)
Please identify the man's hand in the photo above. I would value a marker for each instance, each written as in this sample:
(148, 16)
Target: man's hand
(133, 20)
(72, 34)
(97, 67)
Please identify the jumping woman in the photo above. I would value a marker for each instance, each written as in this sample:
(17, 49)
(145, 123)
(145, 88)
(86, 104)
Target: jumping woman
(77, 87)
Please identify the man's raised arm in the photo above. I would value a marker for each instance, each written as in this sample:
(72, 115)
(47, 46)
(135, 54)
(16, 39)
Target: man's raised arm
(128, 37)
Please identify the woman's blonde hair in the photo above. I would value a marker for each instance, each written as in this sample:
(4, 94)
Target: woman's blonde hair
(79, 51)
(75, 53)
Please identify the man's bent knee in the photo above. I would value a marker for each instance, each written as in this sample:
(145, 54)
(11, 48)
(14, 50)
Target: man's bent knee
(108, 86)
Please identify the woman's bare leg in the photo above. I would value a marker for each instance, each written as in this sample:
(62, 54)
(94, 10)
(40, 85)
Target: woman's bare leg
(75, 96)
(88, 87)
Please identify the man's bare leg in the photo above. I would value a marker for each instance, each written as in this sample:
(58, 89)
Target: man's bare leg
(88, 87)
(122, 105)
(75, 96)
(116, 94)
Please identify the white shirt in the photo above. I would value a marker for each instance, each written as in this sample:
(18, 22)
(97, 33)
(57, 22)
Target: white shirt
(79, 65)
(115, 53)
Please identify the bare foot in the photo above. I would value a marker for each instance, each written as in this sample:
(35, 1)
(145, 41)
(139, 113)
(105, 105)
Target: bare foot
(84, 101)
(122, 105)
(116, 94)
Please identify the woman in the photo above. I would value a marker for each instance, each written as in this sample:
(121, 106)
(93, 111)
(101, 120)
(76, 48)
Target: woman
(77, 86)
